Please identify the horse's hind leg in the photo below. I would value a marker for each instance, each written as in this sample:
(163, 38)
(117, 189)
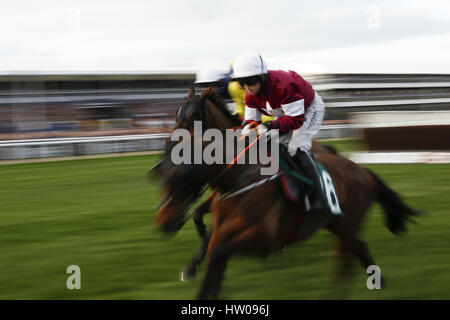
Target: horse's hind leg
(340, 286)
(352, 243)
(190, 271)
(344, 263)
(344, 257)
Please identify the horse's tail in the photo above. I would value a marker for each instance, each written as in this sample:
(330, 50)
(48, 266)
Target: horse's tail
(397, 213)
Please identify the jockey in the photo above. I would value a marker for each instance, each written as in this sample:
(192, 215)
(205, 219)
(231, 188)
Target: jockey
(226, 87)
(237, 93)
(215, 78)
(290, 98)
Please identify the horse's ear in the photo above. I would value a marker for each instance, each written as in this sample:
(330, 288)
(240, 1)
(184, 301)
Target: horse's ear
(207, 92)
(191, 93)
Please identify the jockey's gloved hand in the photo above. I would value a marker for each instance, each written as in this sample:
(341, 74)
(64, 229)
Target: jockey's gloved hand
(249, 127)
(266, 128)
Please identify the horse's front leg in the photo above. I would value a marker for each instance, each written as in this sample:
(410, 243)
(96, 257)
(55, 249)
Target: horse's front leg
(230, 239)
(190, 271)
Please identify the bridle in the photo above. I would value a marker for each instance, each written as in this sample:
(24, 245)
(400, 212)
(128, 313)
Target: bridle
(204, 113)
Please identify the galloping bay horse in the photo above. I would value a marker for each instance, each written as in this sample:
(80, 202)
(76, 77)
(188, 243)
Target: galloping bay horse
(262, 219)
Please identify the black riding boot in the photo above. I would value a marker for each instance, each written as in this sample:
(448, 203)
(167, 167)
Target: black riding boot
(319, 201)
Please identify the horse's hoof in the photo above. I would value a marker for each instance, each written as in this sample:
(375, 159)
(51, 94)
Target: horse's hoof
(183, 276)
(187, 274)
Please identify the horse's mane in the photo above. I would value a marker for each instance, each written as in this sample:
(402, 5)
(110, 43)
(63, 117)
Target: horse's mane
(219, 102)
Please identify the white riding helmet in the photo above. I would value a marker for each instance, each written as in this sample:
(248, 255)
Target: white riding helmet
(249, 64)
(208, 75)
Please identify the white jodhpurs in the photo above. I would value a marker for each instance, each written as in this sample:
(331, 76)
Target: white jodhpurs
(302, 137)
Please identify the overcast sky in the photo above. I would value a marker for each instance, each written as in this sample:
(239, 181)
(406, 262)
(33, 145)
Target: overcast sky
(165, 35)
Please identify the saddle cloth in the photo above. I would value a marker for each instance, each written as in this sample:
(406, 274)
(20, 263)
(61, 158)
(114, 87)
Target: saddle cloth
(297, 187)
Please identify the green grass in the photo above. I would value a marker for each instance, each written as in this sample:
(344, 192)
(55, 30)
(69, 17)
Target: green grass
(98, 214)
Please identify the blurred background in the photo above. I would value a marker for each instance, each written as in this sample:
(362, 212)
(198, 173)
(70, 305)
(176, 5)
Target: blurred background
(82, 80)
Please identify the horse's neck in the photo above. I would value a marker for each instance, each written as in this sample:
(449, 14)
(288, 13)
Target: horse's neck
(237, 175)
(222, 123)
(224, 179)
(231, 175)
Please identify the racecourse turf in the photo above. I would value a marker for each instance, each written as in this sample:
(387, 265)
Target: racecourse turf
(98, 214)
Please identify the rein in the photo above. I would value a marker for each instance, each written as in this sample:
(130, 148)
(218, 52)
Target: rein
(232, 163)
(250, 186)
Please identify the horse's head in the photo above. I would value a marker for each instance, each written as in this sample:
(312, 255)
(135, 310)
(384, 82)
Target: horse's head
(183, 182)
(182, 185)
(181, 188)
(209, 108)
(191, 110)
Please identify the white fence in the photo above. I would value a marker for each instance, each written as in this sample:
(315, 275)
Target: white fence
(43, 148)
(63, 147)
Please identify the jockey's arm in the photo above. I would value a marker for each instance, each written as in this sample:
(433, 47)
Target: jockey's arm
(288, 123)
(294, 116)
(252, 115)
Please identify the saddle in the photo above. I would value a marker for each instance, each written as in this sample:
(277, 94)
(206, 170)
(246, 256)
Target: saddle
(297, 186)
